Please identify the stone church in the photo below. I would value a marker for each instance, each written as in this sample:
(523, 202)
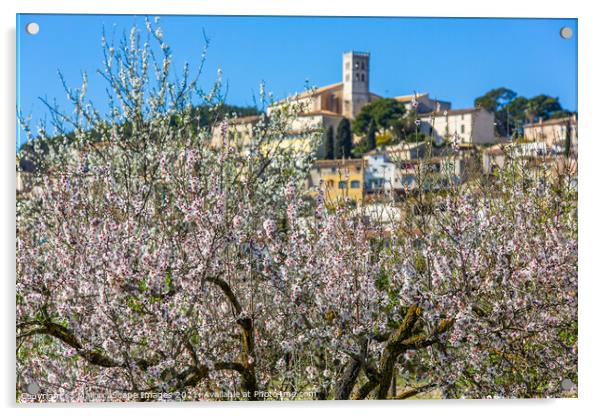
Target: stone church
(326, 106)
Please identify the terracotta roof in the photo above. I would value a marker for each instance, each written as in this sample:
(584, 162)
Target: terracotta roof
(340, 163)
(449, 112)
(408, 98)
(320, 113)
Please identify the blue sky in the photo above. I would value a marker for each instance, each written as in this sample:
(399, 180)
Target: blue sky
(453, 59)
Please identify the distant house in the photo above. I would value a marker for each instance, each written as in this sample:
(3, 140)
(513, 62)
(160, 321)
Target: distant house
(380, 172)
(244, 131)
(405, 151)
(466, 126)
(339, 179)
(241, 128)
(422, 103)
(495, 157)
(442, 171)
(394, 169)
(553, 131)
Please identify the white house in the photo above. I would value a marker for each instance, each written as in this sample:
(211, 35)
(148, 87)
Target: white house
(466, 126)
(380, 172)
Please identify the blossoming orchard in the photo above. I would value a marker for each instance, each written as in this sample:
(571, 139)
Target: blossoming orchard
(153, 264)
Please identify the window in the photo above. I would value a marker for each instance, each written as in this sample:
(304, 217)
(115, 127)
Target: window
(434, 167)
(357, 76)
(358, 168)
(355, 184)
(333, 169)
(347, 65)
(347, 77)
(462, 128)
(342, 184)
(357, 65)
(407, 180)
(363, 66)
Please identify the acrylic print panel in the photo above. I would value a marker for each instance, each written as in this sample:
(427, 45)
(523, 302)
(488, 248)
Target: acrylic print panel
(295, 208)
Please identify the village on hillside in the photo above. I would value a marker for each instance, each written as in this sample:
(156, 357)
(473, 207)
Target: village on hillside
(383, 163)
(359, 161)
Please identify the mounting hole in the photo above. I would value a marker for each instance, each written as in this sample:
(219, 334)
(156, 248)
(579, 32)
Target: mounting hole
(567, 384)
(566, 33)
(32, 28)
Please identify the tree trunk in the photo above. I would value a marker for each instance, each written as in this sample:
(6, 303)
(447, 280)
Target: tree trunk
(347, 381)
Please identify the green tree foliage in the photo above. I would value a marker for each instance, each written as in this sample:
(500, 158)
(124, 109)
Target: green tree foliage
(405, 127)
(344, 141)
(512, 111)
(542, 107)
(496, 102)
(495, 99)
(385, 112)
(207, 115)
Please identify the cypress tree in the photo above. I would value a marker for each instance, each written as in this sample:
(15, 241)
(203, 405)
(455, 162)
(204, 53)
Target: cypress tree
(344, 141)
(371, 135)
(329, 151)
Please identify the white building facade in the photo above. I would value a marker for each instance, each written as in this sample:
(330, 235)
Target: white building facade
(466, 126)
(379, 173)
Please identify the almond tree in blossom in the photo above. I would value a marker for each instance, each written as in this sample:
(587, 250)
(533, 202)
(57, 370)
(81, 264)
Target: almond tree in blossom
(151, 260)
(481, 301)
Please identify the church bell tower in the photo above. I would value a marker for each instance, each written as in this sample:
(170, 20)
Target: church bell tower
(356, 75)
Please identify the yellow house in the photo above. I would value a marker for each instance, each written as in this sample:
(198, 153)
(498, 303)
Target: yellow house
(339, 179)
